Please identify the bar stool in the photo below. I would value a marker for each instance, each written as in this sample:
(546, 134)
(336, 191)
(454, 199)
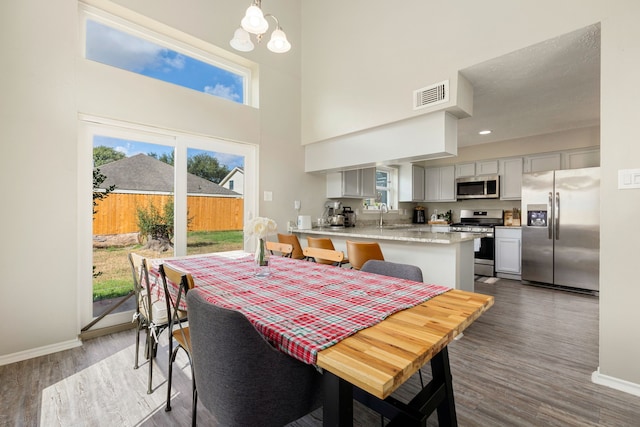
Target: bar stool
(324, 243)
(292, 239)
(361, 252)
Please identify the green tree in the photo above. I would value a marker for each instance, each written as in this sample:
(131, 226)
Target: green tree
(98, 179)
(103, 155)
(168, 158)
(207, 167)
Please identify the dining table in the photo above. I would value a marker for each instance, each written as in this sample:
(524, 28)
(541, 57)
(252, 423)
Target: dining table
(367, 333)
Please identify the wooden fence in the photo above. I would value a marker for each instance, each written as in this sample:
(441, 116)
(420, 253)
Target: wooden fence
(117, 213)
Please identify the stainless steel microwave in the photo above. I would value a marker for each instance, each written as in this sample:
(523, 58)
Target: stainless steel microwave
(478, 187)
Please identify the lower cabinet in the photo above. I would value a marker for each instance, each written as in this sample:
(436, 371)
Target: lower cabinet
(508, 250)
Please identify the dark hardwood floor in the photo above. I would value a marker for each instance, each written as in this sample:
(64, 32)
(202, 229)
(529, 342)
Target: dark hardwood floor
(526, 362)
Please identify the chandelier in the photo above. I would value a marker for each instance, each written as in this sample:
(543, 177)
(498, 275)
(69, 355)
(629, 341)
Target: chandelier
(255, 22)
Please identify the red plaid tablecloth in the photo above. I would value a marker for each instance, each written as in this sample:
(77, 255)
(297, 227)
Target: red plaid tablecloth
(302, 307)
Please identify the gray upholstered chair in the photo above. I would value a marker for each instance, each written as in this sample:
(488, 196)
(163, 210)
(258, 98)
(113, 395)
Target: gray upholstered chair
(393, 269)
(241, 378)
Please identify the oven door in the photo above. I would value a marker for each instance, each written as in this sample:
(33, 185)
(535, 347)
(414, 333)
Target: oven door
(484, 256)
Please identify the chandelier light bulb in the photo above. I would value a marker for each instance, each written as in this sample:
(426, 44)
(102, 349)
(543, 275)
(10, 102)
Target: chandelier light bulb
(254, 21)
(241, 41)
(279, 42)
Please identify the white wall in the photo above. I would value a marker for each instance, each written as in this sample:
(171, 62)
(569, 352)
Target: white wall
(380, 52)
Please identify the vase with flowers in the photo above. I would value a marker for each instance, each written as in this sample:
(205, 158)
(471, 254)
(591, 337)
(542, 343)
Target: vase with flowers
(260, 228)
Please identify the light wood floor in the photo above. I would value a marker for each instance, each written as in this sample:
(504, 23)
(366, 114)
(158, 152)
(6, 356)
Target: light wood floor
(526, 362)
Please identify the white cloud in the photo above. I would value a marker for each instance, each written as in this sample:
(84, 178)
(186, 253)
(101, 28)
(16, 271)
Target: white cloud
(113, 47)
(222, 91)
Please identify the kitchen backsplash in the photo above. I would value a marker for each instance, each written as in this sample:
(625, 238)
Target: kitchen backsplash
(455, 207)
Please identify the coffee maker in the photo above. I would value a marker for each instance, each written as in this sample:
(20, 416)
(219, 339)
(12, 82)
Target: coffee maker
(349, 217)
(419, 215)
(335, 218)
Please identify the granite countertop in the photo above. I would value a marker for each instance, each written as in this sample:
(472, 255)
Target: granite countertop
(405, 232)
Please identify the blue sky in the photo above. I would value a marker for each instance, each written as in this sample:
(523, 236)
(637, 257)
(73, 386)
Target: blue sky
(131, 148)
(119, 49)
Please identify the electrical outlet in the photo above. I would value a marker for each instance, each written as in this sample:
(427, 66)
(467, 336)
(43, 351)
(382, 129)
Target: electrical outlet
(296, 204)
(268, 196)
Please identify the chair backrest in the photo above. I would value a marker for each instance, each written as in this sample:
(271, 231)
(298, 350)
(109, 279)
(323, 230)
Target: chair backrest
(172, 278)
(243, 379)
(361, 252)
(393, 269)
(324, 256)
(141, 284)
(285, 249)
(320, 242)
(292, 239)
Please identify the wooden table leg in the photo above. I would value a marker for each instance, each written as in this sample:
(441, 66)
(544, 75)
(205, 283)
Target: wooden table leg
(442, 375)
(337, 401)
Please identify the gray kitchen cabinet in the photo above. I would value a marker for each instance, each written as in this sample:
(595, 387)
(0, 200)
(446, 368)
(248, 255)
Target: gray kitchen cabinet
(411, 183)
(543, 162)
(487, 167)
(440, 184)
(356, 183)
(464, 170)
(578, 159)
(511, 178)
(508, 252)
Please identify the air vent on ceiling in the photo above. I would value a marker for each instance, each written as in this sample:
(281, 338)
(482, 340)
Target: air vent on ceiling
(431, 95)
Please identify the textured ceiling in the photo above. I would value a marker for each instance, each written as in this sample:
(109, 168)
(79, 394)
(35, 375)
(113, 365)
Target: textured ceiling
(548, 87)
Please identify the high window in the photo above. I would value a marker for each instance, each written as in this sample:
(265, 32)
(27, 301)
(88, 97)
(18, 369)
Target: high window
(119, 43)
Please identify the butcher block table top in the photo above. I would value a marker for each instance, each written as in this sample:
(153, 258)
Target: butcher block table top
(382, 357)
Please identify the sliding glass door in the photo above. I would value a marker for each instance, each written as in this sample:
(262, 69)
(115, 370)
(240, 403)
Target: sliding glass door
(159, 194)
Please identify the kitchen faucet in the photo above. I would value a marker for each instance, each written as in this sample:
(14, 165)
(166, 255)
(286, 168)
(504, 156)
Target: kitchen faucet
(383, 209)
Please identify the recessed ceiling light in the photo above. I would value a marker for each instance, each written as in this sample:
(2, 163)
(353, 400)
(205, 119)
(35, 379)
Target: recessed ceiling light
(485, 132)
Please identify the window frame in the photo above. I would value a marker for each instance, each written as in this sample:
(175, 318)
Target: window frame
(245, 70)
(371, 204)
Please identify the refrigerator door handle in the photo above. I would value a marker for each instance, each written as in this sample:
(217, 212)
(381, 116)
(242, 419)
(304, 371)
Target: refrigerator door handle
(556, 220)
(549, 225)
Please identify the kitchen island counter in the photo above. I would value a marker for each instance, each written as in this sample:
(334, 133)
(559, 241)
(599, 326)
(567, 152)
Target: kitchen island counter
(406, 233)
(445, 258)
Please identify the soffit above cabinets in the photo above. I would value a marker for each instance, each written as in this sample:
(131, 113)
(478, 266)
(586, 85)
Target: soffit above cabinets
(428, 136)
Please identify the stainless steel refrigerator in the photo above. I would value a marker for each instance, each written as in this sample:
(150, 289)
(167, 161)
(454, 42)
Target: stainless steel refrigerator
(561, 229)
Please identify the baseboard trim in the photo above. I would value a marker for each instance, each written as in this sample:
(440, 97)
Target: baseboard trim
(615, 383)
(39, 351)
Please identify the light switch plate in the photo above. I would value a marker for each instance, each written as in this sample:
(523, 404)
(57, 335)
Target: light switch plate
(628, 179)
(296, 204)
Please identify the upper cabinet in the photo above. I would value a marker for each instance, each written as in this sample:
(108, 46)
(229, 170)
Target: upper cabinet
(464, 170)
(511, 178)
(581, 158)
(543, 162)
(487, 167)
(440, 184)
(482, 167)
(411, 183)
(357, 183)
(574, 159)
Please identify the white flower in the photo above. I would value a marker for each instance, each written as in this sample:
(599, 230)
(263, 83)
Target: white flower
(260, 227)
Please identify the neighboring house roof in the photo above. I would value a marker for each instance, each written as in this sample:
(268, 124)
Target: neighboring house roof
(144, 173)
(230, 175)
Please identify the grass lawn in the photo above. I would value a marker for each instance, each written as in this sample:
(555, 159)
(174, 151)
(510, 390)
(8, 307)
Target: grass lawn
(115, 279)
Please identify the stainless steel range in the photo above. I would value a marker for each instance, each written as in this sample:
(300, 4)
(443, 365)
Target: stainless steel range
(481, 222)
